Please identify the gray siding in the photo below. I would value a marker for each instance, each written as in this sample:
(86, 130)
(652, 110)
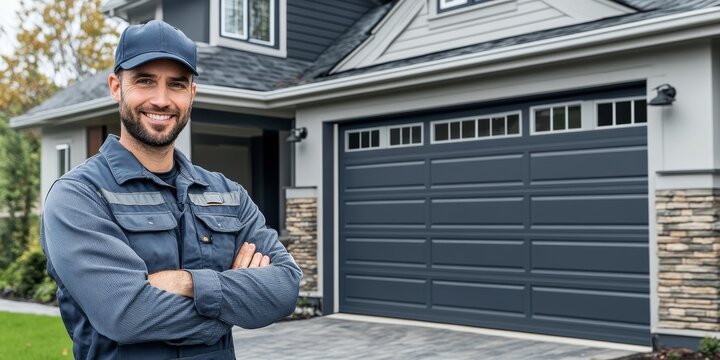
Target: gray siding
(312, 25)
(190, 16)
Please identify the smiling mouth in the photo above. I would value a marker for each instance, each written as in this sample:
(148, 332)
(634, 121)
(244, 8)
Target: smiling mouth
(159, 117)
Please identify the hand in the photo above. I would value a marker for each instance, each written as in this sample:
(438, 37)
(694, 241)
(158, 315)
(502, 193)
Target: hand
(248, 258)
(174, 281)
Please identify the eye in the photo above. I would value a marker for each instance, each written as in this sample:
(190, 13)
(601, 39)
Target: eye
(177, 85)
(144, 81)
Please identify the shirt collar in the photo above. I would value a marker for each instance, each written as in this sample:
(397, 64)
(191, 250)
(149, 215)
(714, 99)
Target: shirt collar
(125, 166)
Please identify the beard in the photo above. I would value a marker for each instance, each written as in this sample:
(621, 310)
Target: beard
(131, 120)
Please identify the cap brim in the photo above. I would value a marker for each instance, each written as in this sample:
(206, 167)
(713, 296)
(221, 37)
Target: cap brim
(150, 56)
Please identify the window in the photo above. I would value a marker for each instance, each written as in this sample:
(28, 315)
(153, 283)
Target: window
(406, 135)
(485, 126)
(554, 118)
(444, 5)
(251, 20)
(620, 112)
(362, 139)
(63, 152)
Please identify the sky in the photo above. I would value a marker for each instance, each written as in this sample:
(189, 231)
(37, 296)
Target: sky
(8, 21)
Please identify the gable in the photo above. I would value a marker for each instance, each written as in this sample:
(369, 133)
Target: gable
(415, 27)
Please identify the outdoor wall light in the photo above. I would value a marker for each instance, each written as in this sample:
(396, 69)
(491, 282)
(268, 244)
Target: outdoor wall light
(666, 95)
(297, 134)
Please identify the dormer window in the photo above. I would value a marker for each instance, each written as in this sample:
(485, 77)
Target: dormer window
(249, 20)
(444, 5)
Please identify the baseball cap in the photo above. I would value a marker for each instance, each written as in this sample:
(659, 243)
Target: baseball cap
(154, 40)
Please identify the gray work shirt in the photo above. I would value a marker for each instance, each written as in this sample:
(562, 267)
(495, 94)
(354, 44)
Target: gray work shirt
(110, 222)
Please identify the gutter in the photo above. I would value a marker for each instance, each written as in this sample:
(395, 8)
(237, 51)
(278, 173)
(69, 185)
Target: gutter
(683, 26)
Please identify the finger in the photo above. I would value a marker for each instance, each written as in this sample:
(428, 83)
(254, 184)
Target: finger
(238, 259)
(265, 261)
(247, 257)
(256, 260)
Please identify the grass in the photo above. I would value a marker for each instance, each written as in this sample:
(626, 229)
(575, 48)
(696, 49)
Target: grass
(24, 336)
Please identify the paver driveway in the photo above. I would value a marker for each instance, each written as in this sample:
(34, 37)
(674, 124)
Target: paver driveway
(331, 337)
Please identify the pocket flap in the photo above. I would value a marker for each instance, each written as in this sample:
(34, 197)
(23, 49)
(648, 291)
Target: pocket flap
(220, 223)
(140, 222)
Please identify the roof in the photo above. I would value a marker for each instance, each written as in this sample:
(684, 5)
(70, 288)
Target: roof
(243, 70)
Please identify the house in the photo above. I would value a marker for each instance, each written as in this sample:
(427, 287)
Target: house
(543, 166)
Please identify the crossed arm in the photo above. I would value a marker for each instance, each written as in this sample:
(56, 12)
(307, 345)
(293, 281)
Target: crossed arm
(180, 281)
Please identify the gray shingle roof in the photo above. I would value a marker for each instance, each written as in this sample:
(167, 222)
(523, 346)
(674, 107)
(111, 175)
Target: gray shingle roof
(244, 70)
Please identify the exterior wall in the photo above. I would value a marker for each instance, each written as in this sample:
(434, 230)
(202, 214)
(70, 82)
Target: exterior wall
(301, 224)
(682, 138)
(314, 24)
(192, 17)
(688, 251)
(51, 137)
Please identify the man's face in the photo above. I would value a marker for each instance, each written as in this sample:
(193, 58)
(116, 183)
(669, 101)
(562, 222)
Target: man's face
(155, 101)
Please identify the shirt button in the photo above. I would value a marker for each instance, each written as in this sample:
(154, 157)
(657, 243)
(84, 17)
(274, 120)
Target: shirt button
(206, 239)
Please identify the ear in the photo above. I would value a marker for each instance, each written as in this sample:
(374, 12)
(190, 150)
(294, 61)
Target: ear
(193, 89)
(114, 85)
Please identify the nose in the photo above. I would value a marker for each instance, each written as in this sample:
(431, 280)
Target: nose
(160, 98)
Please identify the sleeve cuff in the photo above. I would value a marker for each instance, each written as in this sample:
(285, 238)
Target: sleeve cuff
(207, 292)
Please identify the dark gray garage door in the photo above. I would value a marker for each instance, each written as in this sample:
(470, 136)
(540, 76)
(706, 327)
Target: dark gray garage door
(544, 233)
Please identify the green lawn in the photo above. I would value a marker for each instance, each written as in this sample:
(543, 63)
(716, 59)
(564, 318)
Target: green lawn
(24, 336)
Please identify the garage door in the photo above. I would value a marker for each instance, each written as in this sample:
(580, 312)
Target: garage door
(529, 217)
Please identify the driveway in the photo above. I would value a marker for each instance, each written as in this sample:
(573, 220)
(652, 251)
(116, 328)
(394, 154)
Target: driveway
(346, 337)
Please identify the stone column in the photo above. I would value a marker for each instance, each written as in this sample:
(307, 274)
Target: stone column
(301, 224)
(688, 224)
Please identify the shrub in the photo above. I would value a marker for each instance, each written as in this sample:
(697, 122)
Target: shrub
(709, 346)
(27, 272)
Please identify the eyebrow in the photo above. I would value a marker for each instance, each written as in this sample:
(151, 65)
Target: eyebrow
(184, 79)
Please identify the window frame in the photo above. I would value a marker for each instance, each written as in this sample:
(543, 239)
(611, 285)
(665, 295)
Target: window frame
(246, 23)
(278, 32)
(566, 104)
(411, 125)
(613, 101)
(66, 158)
(476, 118)
(382, 142)
(442, 6)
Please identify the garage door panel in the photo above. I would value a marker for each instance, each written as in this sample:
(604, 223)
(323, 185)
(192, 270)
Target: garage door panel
(486, 170)
(393, 174)
(590, 210)
(591, 305)
(472, 296)
(478, 212)
(614, 162)
(590, 257)
(389, 289)
(479, 253)
(407, 251)
(408, 212)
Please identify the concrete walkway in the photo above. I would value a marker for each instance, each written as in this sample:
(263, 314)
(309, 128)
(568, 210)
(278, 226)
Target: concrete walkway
(343, 336)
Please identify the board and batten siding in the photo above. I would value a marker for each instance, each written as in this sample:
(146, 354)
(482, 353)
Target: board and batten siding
(413, 28)
(312, 25)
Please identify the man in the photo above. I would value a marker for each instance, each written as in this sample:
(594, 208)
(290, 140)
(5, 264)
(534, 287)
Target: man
(156, 258)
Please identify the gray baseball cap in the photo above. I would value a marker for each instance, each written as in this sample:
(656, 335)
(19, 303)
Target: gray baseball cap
(154, 40)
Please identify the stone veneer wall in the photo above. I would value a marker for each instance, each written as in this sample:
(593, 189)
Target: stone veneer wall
(301, 224)
(688, 225)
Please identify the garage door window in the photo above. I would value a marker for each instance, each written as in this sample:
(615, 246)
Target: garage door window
(363, 139)
(407, 135)
(620, 112)
(554, 118)
(477, 128)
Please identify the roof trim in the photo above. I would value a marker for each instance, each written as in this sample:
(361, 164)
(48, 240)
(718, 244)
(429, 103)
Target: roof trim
(645, 33)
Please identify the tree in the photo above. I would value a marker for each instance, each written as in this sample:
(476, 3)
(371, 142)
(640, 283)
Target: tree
(58, 42)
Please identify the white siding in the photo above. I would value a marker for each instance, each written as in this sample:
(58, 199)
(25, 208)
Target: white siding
(414, 28)
(51, 137)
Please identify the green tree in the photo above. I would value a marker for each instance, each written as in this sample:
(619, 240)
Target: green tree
(57, 43)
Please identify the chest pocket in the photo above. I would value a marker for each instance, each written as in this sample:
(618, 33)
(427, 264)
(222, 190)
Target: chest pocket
(216, 235)
(152, 236)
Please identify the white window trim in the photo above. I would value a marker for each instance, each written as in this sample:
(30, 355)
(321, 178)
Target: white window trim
(448, 4)
(383, 141)
(245, 21)
(256, 46)
(68, 164)
(613, 101)
(422, 133)
(551, 131)
(490, 8)
(476, 118)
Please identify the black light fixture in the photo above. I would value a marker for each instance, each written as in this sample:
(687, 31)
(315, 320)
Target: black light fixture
(297, 134)
(666, 95)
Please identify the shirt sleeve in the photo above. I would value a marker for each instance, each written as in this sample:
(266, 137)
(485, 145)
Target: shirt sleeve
(91, 259)
(256, 297)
